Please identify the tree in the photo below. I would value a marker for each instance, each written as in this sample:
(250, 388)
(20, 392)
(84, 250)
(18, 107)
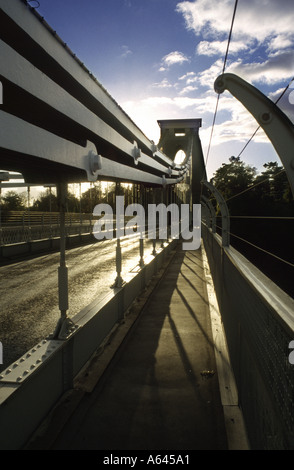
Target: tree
(231, 179)
(268, 193)
(272, 192)
(91, 198)
(46, 202)
(13, 201)
(276, 184)
(73, 203)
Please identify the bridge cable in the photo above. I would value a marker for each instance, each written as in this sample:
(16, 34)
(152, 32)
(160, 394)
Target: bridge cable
(259, 218)
(271, 217)
(259, 248)
(224, 66)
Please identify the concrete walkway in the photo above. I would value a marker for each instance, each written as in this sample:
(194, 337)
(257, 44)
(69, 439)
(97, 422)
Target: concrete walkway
(161, 389)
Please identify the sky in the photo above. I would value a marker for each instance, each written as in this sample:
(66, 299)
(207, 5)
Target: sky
(159, 59)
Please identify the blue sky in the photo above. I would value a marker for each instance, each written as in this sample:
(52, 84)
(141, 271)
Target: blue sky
(159, 59)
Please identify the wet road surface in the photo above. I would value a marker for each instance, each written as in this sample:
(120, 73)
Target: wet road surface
(29, 290)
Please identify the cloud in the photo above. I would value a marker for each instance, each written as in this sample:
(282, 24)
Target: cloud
(263, 24)
(211, 48)
(188, 89)
(256, 20)
(177, 102)
(163, 84)
(173, 58)
(208, 76)
(187, 76)
(276, 68)
(125, 52)
(280, 42)
(203, 16)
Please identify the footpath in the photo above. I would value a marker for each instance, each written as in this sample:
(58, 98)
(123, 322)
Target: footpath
(162, 390)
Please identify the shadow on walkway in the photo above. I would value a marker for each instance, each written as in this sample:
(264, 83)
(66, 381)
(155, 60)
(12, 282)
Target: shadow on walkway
(156, 394)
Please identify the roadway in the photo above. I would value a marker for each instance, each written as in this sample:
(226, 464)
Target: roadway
(29, 290)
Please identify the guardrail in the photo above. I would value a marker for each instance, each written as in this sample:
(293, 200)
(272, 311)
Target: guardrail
(40, 232)
(258, 320)
(25, 232)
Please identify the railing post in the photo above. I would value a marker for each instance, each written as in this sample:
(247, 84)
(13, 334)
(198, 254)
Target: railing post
(141, 240)
(1, 237)
(119, 280)
(141, 262)
(162, 240)
(155, 228)
(65, 326)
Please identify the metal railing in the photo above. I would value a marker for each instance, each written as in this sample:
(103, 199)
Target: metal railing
(25, 226)
(258, 320)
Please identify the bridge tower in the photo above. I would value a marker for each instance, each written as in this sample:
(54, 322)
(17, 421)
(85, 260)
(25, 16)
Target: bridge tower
(183, 134)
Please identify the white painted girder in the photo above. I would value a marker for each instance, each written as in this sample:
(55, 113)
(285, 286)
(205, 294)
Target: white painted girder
(53, 46)
(44, 145)
(20, 72)
(41, 33)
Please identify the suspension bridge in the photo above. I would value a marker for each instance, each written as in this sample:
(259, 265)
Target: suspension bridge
(146, 345)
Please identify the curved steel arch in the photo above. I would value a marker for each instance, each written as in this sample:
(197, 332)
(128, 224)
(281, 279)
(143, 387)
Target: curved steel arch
(276, 125)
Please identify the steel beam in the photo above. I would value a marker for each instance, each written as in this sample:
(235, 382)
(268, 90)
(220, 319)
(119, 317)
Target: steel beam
(38, 156)
(30, 35)
(46, 86)
(276, 125)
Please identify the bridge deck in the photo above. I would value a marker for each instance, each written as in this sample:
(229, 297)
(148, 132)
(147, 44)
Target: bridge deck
(156, 394)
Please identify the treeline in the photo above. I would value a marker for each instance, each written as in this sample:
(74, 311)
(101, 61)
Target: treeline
(47, 200)
(249, 193)
(261, 207)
